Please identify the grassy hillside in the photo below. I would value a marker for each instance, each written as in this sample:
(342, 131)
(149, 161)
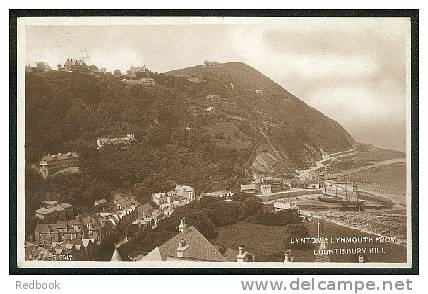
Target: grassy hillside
(206, 134)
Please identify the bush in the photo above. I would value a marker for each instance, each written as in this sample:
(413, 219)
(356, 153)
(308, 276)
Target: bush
(254, 205)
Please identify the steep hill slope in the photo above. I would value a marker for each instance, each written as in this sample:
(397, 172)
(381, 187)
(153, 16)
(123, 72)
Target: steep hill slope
(288, 131)
(204, 126)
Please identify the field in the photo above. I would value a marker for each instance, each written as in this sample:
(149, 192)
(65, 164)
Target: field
(267, 243)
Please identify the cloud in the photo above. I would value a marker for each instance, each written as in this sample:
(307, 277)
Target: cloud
(352, 69)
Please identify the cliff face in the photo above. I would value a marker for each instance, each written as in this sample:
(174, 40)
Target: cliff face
(200, 124)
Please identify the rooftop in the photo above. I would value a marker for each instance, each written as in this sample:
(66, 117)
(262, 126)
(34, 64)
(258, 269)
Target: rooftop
(200, 249)
(248, 187)
(60, 156)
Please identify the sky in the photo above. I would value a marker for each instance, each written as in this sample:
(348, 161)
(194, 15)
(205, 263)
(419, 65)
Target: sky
(351, 69)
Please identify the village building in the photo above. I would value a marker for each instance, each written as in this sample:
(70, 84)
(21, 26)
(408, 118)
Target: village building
(52, 211)
(188, 245)
(157, 216)
(223, 194)
(74, 230)
(117, 142)
(266, 189)
(159, 198)
(99, 204)
(140, 225)
(181, 195)
(93, 229)
(283, 205)
(46, 214)
(141, 81)
(186, 192)
(249, 188)
(61, 251)
(52, 164)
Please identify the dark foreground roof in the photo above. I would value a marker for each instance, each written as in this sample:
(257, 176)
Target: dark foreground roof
(200, 249)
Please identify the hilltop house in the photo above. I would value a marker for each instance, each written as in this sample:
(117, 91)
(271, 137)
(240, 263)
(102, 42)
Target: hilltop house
(72, 65)
(38, 67)
(137, 71)
(212, 63)
(51, 164)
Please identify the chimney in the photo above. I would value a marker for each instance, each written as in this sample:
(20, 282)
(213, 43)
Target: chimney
(287, 256)
(242, 254)
(182, 228)
(182, 246)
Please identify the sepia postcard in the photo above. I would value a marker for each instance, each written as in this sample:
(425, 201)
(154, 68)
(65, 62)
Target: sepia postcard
(214, 142)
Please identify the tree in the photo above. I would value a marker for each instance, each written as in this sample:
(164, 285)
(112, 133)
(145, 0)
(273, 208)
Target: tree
(225, 213)
(253, 204)
(96, 190)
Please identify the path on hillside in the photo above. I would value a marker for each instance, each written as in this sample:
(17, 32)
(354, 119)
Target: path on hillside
(306, 173)
(265, 139)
